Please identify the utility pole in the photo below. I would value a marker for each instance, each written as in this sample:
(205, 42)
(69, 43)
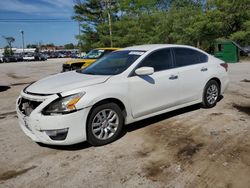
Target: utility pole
(108, 7)
(22, 33)
(110, 30)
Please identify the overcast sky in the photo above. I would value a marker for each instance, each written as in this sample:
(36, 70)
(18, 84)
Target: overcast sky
(58, 33)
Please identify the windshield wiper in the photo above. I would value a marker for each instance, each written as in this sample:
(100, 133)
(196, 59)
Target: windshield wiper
(91, 73)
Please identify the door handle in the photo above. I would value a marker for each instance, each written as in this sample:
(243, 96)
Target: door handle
(203, 69)
(173, 77)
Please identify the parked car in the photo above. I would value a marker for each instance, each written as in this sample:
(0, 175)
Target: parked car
(40, 57)
(29, 56)
(61, 55)
(9, 58)
(126, 86)
(1, 59)
(90, 58)
(54, 55)
(18, 57)
(247, 50)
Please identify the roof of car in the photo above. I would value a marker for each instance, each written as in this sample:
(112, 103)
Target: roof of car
(148, 47)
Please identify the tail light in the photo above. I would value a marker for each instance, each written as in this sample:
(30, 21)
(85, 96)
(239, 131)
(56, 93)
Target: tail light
(225, 66)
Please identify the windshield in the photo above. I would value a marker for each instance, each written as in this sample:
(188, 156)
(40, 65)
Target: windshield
(94, 54)
(114, 63)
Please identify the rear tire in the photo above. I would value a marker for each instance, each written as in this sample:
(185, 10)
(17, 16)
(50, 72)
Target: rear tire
(211, 94)
(104, 124)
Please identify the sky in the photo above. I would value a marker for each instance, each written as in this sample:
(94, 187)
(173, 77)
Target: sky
(58, 33)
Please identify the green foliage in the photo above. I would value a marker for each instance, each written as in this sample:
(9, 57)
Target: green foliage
(194, 22)
(7, 51)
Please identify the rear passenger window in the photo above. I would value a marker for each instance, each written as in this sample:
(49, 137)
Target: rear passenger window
(186, 56)
(159, 60)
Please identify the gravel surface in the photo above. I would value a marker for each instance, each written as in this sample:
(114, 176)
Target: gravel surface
(191, 147)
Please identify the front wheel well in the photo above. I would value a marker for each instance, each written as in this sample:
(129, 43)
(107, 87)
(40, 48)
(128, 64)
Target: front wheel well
(110, 100)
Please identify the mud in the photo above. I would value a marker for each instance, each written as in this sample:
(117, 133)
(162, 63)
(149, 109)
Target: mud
(238, 94)
(216, 114)
(15, 76)
(244, 109)
(14, 173)
(245, 80)
(22, 83)
(8, 114)
(189, 150)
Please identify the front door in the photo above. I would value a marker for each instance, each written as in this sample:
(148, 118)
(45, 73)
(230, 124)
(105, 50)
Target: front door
(156, 92)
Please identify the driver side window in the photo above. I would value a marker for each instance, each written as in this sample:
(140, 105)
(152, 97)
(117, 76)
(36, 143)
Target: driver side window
(159, 60)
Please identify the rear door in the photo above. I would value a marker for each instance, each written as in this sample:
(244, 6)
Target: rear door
(192, 66)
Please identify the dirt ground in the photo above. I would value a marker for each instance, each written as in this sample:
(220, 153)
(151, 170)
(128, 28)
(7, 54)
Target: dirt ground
(191, 147)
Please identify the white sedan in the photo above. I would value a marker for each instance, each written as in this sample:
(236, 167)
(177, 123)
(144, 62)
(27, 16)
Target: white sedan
(128, 85)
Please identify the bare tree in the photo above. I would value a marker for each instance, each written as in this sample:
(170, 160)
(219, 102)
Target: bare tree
(9, 41)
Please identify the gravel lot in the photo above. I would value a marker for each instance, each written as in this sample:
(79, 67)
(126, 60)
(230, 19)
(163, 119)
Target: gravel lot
(191, 147)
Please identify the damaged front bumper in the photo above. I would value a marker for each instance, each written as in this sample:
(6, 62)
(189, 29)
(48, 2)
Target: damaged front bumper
(59, 129)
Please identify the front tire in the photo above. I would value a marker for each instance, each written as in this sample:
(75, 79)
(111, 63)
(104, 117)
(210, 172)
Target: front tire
(211, 94)
(104, 124)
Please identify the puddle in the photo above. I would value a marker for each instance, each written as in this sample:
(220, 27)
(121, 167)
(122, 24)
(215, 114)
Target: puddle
(244, 109)
(4, 88)
(14, 173)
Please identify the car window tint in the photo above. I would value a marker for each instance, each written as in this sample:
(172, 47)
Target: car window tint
(185, 56)
(114, 63)
(106, 52)
(159, 60)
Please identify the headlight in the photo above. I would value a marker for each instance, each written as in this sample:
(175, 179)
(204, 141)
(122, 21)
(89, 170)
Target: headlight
(63, 105)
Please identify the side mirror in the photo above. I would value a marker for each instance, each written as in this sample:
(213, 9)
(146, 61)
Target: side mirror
(143, 71)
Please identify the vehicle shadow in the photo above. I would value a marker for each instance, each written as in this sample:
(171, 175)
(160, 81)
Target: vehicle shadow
(146, 122)
(74, 147)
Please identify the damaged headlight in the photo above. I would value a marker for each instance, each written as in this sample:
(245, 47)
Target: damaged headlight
(63, 105)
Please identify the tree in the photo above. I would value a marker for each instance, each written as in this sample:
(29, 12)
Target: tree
(194, 22)
(7, 51)
(90, 14)
(234, 16)
(9, 41)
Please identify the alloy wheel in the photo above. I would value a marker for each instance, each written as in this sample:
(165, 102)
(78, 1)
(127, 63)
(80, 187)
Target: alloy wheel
(105, 124)
(212, 94)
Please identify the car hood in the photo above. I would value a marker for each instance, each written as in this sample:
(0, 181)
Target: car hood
(80, 60)
(65, 82)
